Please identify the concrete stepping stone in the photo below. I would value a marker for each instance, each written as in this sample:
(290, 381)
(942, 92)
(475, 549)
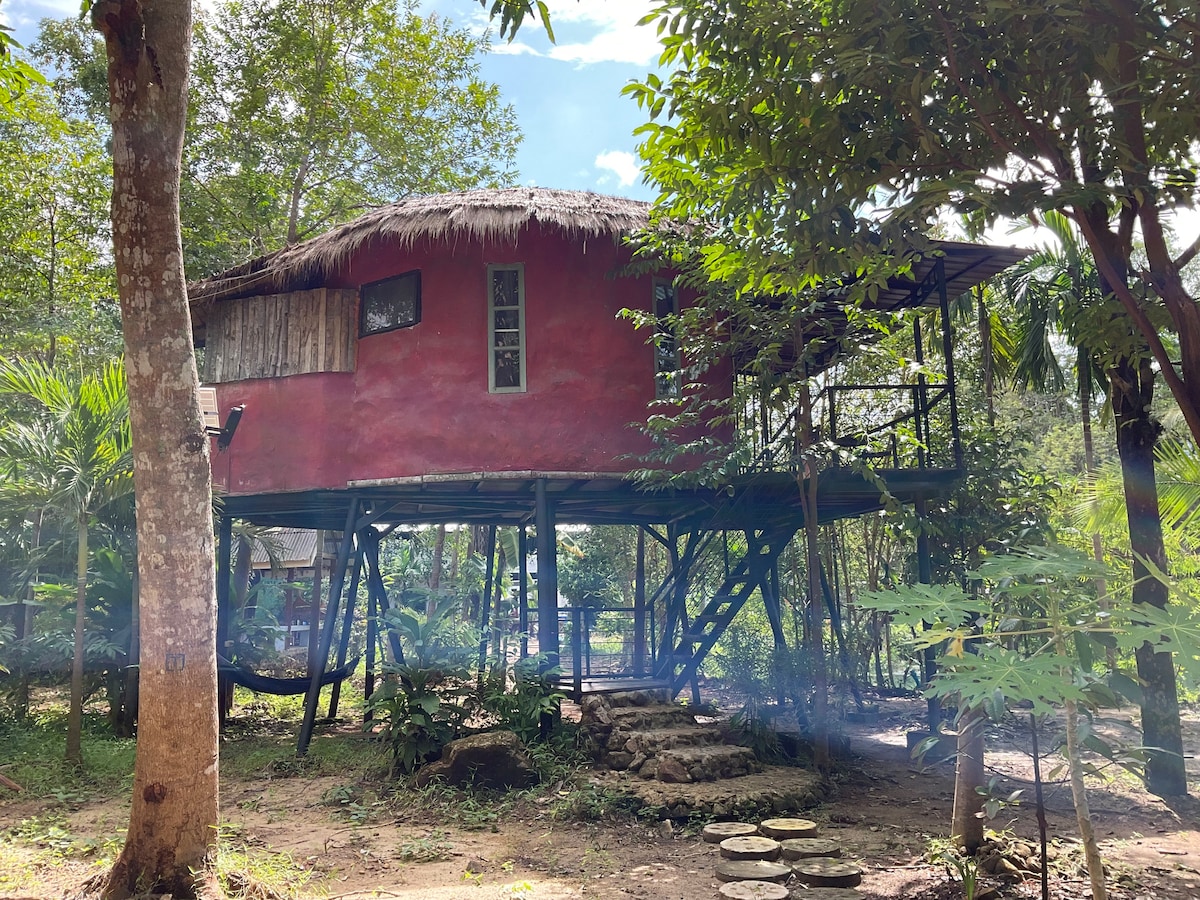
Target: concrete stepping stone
(750, 848)
(752, 870)
(805, 848)
(824, 871)
(826, 893)
(754, 890)
(715, 832)
(783, 829)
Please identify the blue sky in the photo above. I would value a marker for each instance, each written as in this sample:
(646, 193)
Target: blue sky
(578, 128)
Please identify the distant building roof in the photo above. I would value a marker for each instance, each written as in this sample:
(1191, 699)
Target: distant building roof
(285, 548)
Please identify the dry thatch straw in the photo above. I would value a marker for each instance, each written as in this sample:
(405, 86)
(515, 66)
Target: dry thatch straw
(485, 214)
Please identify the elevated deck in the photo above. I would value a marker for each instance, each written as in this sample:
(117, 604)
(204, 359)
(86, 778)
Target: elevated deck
(509, 498)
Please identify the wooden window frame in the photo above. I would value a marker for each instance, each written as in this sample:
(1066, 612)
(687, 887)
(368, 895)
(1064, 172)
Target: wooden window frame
(363, 331)
(667, 381)
(519, 268)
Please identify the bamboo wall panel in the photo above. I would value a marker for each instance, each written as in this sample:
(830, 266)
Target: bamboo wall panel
(281, 334)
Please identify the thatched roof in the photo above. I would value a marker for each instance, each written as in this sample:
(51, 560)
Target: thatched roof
(485, 214)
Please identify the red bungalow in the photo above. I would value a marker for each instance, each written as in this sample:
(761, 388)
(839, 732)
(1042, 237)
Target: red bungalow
(461, 358)
(453, 334)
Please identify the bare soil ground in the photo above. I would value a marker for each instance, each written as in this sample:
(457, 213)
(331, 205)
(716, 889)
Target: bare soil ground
(884, 812)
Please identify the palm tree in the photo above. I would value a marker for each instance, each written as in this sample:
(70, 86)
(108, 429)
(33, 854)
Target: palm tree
(74, 460)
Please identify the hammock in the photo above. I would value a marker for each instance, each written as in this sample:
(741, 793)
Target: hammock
(264, 684)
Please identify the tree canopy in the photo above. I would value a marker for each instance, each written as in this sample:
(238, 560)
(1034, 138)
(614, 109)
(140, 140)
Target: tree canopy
(303, 115)
(818, 133)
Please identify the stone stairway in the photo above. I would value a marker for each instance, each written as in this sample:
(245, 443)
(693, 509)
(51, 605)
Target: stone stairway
(680, 764)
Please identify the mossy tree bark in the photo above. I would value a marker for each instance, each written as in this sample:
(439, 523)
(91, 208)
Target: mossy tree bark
(172, 829)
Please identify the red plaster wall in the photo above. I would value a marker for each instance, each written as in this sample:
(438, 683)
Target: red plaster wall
(418, 401)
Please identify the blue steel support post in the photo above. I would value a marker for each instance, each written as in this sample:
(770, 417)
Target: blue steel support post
(337, 582)
(224, 549)
(347, 621)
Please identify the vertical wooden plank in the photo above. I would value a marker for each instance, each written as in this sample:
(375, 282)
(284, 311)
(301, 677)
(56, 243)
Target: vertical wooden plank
(321, 328)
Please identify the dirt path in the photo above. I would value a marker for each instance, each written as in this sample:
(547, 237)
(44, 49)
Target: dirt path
(885, 811)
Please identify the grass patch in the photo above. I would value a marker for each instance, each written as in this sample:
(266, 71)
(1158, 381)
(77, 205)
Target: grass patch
(34, 759)
(250, 755)
(246, 873)
(432, 847)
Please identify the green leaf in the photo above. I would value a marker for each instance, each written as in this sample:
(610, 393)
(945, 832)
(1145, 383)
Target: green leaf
(996, 672)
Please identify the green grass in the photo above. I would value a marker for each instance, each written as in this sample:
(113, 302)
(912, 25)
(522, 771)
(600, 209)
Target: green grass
(247, 873)
(33, 757)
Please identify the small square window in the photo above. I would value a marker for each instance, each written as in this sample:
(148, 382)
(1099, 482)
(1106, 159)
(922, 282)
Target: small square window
(390, 304)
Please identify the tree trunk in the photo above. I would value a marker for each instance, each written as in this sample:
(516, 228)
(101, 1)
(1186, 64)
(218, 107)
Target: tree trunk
(23, 623)
(127, 723)
(435, 570)
(1137, 433)
(812, 562)
(966, 823)
(173, 822)
(1083, 364)
(75, 713)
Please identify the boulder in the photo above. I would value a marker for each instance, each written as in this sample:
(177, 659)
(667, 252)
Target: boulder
(494, 759)
(672, 771)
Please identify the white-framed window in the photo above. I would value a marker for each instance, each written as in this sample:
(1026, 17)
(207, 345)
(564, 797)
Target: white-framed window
(667, 375)
(506, 328)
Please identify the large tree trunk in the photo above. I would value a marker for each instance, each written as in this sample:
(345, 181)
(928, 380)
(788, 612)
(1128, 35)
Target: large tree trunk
(1137, 433)
(172, 828)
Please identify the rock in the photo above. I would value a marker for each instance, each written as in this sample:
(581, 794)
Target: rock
(753, 890)
(806, 848)
(822, 871)
(752, 870)
(619, 760)
(672, 771)
(494, 760)
(750, 847)
(715, 832)
(783, 829)
(1006, 868)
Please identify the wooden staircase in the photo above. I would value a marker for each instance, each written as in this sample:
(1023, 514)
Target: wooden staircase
(698, 637)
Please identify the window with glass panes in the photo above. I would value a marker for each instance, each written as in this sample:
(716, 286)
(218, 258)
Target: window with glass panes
(390, 304)
(666, 345)
(506, 328)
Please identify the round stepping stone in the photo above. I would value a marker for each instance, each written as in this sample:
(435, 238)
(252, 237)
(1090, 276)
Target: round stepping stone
(750, 848)
(753, 890)
(821, 893)
(715, 832)
(805, 848)
(752, 870)
(823, 871)
(783, 829)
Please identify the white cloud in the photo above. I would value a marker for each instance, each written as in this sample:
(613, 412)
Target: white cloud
(516, 48)
(623, 165)
(589, 31)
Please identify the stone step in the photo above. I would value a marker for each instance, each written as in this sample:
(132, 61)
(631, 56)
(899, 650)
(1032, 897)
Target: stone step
(652, 742)
(705, 763)
(777, 789)
(650, 718)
